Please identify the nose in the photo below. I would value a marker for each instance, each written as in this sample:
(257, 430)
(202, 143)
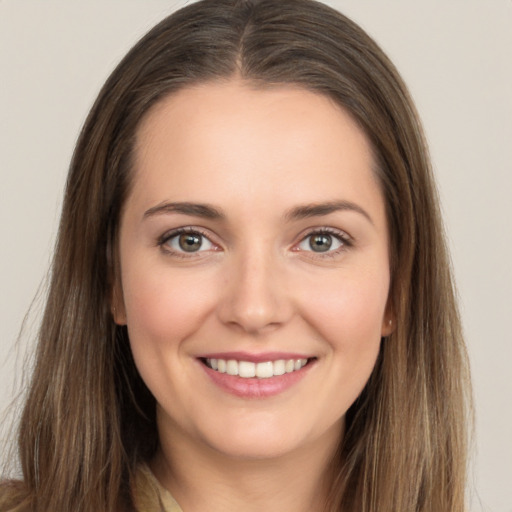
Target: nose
(255, 299)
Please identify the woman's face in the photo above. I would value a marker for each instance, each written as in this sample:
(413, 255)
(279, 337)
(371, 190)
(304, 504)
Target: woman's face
(254, 241)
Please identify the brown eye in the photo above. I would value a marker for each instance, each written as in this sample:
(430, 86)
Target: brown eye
(190, 242)
(187, 242)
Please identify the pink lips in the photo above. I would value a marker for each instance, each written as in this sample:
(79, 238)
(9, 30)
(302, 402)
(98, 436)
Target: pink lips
(252, 388)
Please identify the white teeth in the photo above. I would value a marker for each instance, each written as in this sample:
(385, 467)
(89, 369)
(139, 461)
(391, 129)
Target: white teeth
(279, 367)
(263, 370)
(221, 365)
(299, 363)
(246, 369)
(232, 367)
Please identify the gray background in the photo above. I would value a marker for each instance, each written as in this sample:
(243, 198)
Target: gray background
(455, 55)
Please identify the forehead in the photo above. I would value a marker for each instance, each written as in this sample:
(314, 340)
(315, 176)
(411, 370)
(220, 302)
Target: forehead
(208, 109)
(232, 139)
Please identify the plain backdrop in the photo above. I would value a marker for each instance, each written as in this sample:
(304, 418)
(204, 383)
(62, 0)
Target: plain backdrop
(456, 57)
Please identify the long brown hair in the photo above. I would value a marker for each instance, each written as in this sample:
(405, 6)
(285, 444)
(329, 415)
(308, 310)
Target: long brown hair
(89, 420)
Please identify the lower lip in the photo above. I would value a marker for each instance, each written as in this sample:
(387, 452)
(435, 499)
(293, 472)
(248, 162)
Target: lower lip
(256, 388)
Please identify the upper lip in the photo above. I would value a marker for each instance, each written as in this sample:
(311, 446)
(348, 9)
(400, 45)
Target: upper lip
(255, 358)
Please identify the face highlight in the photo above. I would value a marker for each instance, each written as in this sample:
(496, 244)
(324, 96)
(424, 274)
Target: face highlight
(254, 267)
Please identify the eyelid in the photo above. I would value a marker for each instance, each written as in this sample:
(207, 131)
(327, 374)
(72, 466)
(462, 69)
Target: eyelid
(172, 233)
(345, 239)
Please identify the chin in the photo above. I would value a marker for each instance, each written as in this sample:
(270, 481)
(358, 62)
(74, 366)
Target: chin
(255, 449)
(269, 440)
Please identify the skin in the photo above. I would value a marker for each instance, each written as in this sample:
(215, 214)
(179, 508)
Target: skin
(256, 285)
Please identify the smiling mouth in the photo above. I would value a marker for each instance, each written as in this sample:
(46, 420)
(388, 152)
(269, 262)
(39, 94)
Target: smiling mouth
(261, 370)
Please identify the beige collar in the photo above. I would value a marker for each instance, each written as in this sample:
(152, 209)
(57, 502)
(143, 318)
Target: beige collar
(149, 495)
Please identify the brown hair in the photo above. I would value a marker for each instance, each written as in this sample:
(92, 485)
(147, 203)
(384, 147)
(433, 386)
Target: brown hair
(89, 420)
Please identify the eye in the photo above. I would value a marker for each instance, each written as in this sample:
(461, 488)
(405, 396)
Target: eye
(324, 242)
(186, 241)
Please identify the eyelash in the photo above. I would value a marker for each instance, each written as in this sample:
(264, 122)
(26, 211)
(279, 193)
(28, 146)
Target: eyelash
(342, 237)
(166, 237)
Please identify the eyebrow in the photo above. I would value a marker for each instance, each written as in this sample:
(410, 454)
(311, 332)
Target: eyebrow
(320, 209)
(205, 211)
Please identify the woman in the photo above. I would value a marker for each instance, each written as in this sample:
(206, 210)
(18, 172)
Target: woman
(251, 304)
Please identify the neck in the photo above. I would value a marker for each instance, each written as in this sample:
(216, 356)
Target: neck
(200, 478)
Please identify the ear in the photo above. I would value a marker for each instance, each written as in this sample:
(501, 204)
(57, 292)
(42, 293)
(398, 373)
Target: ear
(117, 307)
(388, 322)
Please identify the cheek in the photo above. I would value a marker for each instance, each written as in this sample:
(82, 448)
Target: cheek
(348, 310)
(164, 307)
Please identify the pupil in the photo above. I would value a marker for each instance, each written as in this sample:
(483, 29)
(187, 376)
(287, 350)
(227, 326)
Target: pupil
(320, 243)
(190, 243)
